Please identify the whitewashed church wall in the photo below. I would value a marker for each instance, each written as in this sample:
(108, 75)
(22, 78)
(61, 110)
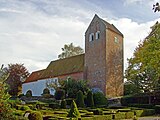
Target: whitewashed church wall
(37, 87)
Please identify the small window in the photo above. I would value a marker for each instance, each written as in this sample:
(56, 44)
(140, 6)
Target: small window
(116, 40)
(97, 35)
(91, 37)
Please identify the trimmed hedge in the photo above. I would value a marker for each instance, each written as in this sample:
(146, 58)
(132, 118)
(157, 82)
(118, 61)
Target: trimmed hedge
(54, 105)
(35, 116)
(99, 99)
(24, 108)
(29, 93)
(89, 99)
(59, 94)
(80, 99)
(63, 104)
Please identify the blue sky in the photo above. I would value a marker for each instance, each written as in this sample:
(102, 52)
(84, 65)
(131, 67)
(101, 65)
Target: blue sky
(34, 31)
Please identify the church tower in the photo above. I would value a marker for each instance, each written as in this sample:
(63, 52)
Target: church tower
(104, 57)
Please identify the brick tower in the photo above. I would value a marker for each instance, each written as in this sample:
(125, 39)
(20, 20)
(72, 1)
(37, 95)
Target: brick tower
(104, 57)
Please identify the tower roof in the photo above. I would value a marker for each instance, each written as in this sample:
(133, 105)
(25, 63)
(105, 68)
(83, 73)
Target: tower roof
(108, 25)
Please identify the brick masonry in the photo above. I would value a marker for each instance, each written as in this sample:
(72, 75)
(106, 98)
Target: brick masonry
(104, 58)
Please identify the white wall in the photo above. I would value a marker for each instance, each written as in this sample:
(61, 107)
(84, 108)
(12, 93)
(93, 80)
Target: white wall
(37, 87)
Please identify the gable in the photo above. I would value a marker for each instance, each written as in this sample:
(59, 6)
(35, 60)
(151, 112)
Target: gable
(106, 24)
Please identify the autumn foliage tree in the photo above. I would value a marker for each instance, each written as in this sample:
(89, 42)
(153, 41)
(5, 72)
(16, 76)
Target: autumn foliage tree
(144, 67)
(17, 74)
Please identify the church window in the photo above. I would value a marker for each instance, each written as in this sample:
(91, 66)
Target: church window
(91, 37)
(97, 35)
(116, 40)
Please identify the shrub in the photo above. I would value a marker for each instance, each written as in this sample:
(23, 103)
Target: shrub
(138, 113)
(157, 109)
(97, 111)
(74, 111)
(69, 101)
(35, 116)
(119, 115)
(59, 94)
(99, 99)
(46, 95)
(80, 99)
(21, 95)
(90, 101)
(29, 93)
(54, 105)
(63, 104)
(24, 108)
(148, 112)
(46, 91)
(129, 115)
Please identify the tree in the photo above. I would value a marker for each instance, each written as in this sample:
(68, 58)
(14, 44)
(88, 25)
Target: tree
(156, 7)
(5, 108)
(80, 99)
(70, 50)
(72, 86)
(90, 101)
(144, 67)
(17, 74)
(74, 111)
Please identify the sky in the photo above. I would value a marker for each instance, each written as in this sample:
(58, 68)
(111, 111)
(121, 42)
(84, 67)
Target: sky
(33, 32)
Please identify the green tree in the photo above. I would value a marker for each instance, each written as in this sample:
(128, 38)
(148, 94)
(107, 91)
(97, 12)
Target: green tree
(70, 50)
(80, 99)
(17, 74)
(90, 101)
(144, 67)
(74, 111)
(5, 108)
(72, 86)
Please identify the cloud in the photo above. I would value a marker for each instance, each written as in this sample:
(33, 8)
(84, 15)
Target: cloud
(33, 32)
(133, 33)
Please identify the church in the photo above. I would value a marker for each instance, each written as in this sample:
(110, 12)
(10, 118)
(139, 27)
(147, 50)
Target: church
(101, 64)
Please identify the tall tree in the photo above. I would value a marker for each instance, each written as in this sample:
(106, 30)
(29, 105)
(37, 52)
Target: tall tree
(17, 73)
(5, 108)
(70, 50)
(144, 67)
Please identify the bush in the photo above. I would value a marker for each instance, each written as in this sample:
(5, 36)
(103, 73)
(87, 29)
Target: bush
(59, 94)
(90, 101)
(157, 109)
(63, 104)
(46, 91)
(99, 99)
(80, 99)
(129, 115)
(54, 105)
(29, 93)
(96, 111)
(74, 111)
(21, 95)
(148, 112)
(35, 116)
(24, 108)
(119, 115)
(69, 101)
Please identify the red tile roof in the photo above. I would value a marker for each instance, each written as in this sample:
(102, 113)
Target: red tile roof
(34, 76)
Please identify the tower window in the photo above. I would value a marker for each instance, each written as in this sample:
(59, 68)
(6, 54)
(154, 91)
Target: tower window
(116, 40)
(91, 37)
(97, 35)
